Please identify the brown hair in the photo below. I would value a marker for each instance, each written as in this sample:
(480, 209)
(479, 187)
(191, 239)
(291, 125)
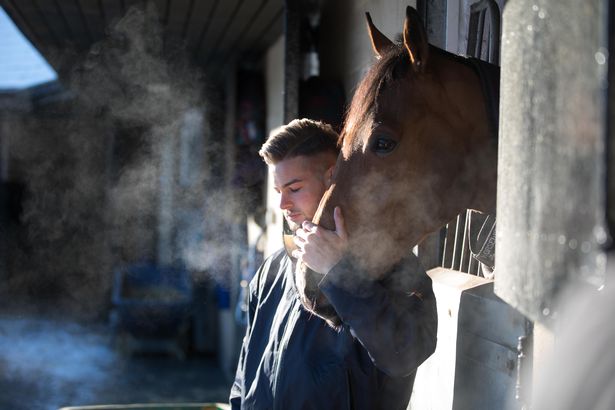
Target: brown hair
(299, 137)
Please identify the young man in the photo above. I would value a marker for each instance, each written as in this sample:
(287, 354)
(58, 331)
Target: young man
(291, 359)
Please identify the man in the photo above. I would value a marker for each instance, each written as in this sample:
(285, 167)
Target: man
(291, 359)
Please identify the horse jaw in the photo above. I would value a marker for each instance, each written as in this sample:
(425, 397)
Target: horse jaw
(379, 233)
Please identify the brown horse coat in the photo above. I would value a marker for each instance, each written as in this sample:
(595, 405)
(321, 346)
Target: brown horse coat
(417, 149)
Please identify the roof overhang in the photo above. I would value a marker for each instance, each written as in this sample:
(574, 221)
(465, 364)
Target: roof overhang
(212, 33)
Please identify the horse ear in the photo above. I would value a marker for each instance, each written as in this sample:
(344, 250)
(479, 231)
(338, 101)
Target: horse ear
(380, 42)
(415, 39)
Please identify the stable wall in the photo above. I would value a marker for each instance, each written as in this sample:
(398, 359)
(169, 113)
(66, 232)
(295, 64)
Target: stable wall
(345, 48)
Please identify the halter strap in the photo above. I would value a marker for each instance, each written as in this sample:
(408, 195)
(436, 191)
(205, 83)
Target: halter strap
(489, 77)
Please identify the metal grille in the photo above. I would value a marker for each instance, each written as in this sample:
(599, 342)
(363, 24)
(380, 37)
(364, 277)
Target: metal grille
(456, 246)
(483, 43)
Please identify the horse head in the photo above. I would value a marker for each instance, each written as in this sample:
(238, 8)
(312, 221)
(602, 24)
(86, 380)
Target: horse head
(416, 150)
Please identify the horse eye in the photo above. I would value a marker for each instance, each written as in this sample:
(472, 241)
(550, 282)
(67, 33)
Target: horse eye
(383, 145)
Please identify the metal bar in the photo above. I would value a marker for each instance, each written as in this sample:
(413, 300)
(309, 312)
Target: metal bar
(444, 245)
(472, 27)
(459, 241)
(472, 266)
(457, 244)
(494, 33)
(449, 245)
(465, 254)
(480, 34)
(454, 244)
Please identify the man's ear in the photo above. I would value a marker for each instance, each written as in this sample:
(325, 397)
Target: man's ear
(329, 175)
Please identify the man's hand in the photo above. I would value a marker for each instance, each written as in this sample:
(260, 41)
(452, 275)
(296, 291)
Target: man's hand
(319, 248)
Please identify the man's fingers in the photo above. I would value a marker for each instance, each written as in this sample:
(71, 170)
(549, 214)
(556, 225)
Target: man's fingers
(298, 240)
(300, 233)
(308, 225)
(340, 227)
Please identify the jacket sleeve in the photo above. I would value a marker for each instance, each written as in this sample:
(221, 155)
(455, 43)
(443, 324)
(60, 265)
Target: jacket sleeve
(238, 385)
(394, 318)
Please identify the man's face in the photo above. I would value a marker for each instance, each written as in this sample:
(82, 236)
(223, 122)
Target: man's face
(301, 181)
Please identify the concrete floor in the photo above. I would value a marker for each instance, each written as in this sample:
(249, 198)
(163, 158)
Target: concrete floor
(47, 364)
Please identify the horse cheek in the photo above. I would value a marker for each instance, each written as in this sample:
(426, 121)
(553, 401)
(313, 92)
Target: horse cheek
(339, 194)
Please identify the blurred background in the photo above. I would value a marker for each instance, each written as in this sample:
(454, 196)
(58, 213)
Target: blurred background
(134, 208)
(132, 199)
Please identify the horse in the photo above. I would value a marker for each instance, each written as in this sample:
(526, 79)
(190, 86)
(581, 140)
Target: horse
(417, 148)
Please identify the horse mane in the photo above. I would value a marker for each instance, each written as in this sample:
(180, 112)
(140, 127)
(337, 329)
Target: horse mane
(393, 65)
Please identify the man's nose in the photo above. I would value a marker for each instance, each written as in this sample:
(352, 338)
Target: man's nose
(285, 202)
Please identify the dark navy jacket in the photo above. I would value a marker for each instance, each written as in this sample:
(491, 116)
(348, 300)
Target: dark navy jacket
(291, 359)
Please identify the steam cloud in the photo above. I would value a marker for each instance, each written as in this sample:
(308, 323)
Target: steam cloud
(118, 173)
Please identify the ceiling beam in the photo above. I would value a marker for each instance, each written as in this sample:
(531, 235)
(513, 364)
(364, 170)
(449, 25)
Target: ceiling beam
(84, 21)
(228, 22)
(204, 29)
(187, 20)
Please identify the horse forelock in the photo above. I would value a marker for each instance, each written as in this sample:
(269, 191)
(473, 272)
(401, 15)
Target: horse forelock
(392, 66)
